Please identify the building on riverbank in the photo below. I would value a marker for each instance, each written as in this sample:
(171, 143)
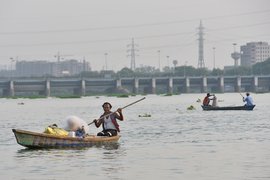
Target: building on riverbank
(254, 52)
(44, 68)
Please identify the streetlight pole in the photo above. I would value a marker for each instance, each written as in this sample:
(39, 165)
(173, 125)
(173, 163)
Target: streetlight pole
(185, 68)
(214, 58)
(168, 61)
(159, 60)
(261, 59)
(11, 65)
(106, 64)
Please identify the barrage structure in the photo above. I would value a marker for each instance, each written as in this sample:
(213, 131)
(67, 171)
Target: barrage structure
(153, 85)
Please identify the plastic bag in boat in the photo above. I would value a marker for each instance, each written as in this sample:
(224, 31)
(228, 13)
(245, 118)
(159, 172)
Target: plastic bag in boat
(54, 130)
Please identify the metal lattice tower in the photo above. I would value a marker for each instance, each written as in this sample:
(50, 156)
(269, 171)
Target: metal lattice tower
(132, 53)
(201, 58)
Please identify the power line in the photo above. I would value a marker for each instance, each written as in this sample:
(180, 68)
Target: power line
(135, 25)
(138, 37)
(239, 26)
(113, 51)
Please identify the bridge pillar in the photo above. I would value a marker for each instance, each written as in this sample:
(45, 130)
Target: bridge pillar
(238, 84)
(83, 87)
(153, 86)
(48, 88)
(136, 86)
(170, 85)
(187, 85)
(11, 88)
(255, 83)
(221, 84)
(204, 85)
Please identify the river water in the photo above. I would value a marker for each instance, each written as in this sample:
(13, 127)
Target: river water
(174, 143)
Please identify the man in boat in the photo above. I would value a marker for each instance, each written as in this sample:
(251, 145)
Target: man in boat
(108, 121)
(207, 99)
(248, 99)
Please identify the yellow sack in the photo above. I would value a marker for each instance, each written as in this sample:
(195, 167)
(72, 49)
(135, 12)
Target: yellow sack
(56, 131)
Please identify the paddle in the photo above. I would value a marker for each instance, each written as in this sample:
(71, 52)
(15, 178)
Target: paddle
(116, 111)
(241, 95)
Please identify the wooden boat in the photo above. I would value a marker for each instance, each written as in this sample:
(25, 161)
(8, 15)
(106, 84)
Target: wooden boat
(211, 108)
(41, 140)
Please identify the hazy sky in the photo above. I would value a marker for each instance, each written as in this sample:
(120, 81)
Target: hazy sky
(38, 29)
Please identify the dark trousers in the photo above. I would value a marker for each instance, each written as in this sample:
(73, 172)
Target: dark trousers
(108, 132)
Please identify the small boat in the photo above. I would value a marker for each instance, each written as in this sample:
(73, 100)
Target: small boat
(42, 140)
(211, 108)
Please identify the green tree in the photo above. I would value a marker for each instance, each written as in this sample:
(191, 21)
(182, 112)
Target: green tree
(217, 72)
(125, 72)
(262, 67)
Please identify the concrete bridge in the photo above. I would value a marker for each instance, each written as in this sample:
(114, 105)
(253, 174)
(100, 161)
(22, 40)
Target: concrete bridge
(145, 85)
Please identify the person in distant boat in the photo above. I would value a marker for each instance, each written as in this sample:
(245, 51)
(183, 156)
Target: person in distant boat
(108, 121)
(248, 99)
(207, 99)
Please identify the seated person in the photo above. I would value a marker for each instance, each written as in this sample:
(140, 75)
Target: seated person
(108, 121)
(207, 99)
(214, 102)
(248, 99)
(77, 125)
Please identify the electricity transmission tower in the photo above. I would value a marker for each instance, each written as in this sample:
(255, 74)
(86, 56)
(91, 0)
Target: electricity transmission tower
(201, 58)
(132, 49)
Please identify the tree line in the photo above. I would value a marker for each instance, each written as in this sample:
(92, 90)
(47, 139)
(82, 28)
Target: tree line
(261, 68)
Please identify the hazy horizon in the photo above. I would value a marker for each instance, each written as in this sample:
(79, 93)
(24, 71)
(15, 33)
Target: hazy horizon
(37, 30)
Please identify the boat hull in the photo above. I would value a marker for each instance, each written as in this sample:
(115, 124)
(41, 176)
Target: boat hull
(41, 140)
(211, 108)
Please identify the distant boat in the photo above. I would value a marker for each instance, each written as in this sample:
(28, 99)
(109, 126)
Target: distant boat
(42, 140)
(211, 108)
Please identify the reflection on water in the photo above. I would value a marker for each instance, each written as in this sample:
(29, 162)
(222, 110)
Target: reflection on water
(107, 148)
(173, 144)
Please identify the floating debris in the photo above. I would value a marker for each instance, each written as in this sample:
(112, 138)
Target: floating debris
(145, 115)
(191, 107)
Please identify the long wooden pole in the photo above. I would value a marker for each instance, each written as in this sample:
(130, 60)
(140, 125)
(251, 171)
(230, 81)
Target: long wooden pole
(116, 111)
(241, 95)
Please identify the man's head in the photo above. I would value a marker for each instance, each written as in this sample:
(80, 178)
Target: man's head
(247, 94)
(107, 106)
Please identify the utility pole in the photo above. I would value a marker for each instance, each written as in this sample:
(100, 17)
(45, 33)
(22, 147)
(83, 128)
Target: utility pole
(132, 53)
(201, 39)
(214, 58)
(261, 58)
(106, 63)
(185, 68)
(12, 60)
(168, 61)
(159, 60)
